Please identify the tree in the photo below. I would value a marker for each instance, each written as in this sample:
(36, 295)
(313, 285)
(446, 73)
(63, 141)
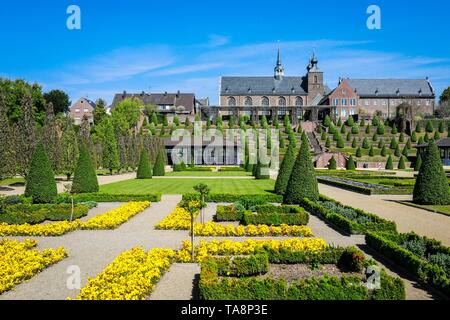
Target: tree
(126, 114)
(100, 111)
(204, 190)
(394, 129)
(85, 178)
(366, 143)
(371, 152)
(332, 165)
(401, 164)
(380, 129)
(7, 148)
(389, 163)
(52, 139)
(418, 128)
(445, 96)
(40, 182)
(358, 153)
(144, 170)
(354, 143)
(350, 121)
(303, 182)
(69, 147)
(418, 163)
(159, 167)
(429, 126)
(25, 134)
(397, 151)
(441, 127)
(154, 119)
(59, 99)
(414, 137)
(285, 170)
(394, 143)
(437, 136)
(351, 165)
(383, 151)
(110, 156)
(431, 186)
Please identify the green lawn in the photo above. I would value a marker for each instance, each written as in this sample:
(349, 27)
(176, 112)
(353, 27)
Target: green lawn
(11, 181)
(437, 209)
(209, 174)
(182, 186)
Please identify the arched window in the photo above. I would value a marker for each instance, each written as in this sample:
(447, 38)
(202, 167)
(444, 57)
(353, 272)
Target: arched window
(248, 102)
(231, 102)
(298, 101)
(281, 102)
(265, 102)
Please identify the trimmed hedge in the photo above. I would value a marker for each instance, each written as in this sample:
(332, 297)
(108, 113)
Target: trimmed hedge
(398, 189)
(231, 169)
(231, 198)
(242, 266)
(373, 222)
(37, 213)
(106, 197)
(144, 170)
(276, 219)
(227, 213)
(388, 245)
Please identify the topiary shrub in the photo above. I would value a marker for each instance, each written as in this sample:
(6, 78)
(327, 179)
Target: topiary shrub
(402, 138)
(405, 151)
(441, 127)
(340, 143)
(437, 136)
(285, 171)
(380, 129)
(355, 129)
(332, 165)
(368, 129)
(350, 121)
(401, 164)
(383, 151)
(366, 143)
(303, 182)
(40, 181)
(429, 126)
(371, 152)
(358, 153)
(351, 165)
(354, 143)
(343, 129)
(397, 151)
(418, 128)
(376, 121)
(394, 129)
(418, 163)
(375, 137)
(328, 143)
(389, 164)
(339, 123)
(394, 143)
(421, 141)
(426, 138)
(144, 170)
(159, 167)
(85, 178)
(349, 137)
(431, 186)
(414, 137)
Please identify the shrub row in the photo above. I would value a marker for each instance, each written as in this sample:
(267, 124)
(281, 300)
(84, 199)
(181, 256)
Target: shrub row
(241, 266)
(37, 213)
(372, 222)
(106, 197)
(276, 219)
(398, 190)
(231, 169)
(249, 200)
(227, 213)
(432, 274)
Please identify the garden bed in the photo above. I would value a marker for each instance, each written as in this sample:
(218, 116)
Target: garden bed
(364, 187)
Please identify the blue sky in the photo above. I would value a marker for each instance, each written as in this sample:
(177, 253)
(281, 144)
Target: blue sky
(158, 46)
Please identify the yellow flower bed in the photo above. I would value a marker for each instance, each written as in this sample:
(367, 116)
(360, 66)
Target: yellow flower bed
(227, 247)
(109, 220)
(131, 276)
(180, 219)
(19, 261)
(114, 218)
(211, 229)
(39, 230)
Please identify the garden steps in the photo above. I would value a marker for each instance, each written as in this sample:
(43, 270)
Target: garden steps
(178, 283)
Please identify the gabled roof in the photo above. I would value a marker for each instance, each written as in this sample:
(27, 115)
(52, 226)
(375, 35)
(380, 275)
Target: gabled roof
(442, 143)
(263, 86)
(391, 88)
(90, 102)
(187, 100)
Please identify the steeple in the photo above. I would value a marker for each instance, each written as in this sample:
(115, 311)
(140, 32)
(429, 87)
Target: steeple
(279, 69)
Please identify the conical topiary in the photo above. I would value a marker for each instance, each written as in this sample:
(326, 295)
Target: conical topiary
(401, 164)
(159, 167)
(414, 137)
(40, 181)
(285, 170)
(144, 170)
(303, 182)
(431, 186)
(85, 178)
(418, 163)
(383, 151)
(332, 165)
(359, 153)
(389, 164)
(351, 165)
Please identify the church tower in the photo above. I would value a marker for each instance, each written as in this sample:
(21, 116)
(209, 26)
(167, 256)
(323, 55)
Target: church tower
(315, 79)
(279, 69)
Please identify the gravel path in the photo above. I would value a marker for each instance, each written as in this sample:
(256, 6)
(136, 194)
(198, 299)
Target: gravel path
(178, 283)
(408, 219)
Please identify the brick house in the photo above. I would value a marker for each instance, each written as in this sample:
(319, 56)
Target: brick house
(83, 107)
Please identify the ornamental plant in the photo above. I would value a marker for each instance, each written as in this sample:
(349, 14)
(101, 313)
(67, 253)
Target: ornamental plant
(375, 137)
(362, 123)
(441, 127)
(303, 182)
(394, 129)
(401, 164)
(376, 121)
(144, 170)
(328, 143)
(85, 178)
(343, 129)
(380, 129)
(366, 143)
(285, 170)
(383, 151)
(40, 181)
(418, 128)
(339, 124)
(355, 129)
(349, 137)
(429, 126)
(394, 143)
(359, 153)
(351, 165)
(397, 151)
(431, 186)
(368, 129)
(421, 140)
(380, 143)
(401, 138)
(409, 144)
(418, 163)
(340, 143)
(332, 165)
(327, 121)
(426, 138)
(437, 136)
(389, 163)
(414, 136)
(350, 121)
(405, 151)
(159, 167)
(371, 152)
(354, 143)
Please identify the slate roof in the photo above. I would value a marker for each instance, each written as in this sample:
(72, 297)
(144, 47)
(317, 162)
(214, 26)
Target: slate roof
(263, 86)
(443, 143)
(391, 88)
(187, 100)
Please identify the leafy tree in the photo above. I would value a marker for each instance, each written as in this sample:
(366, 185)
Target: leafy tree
(418, 163)
(429, 126)
(431, 186)
(401, 164)
(127, 114)
(69, 147)
(59, 99)
(100, 111)
(159, 167)
(85, 178)
(445, 96)
(7, 148)
(332, 165)
(351, 165)
(144, 170)
(389, 163)
(40, 182)
(110, 156)
(52, 139)
(25, 134)
(303, 182)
